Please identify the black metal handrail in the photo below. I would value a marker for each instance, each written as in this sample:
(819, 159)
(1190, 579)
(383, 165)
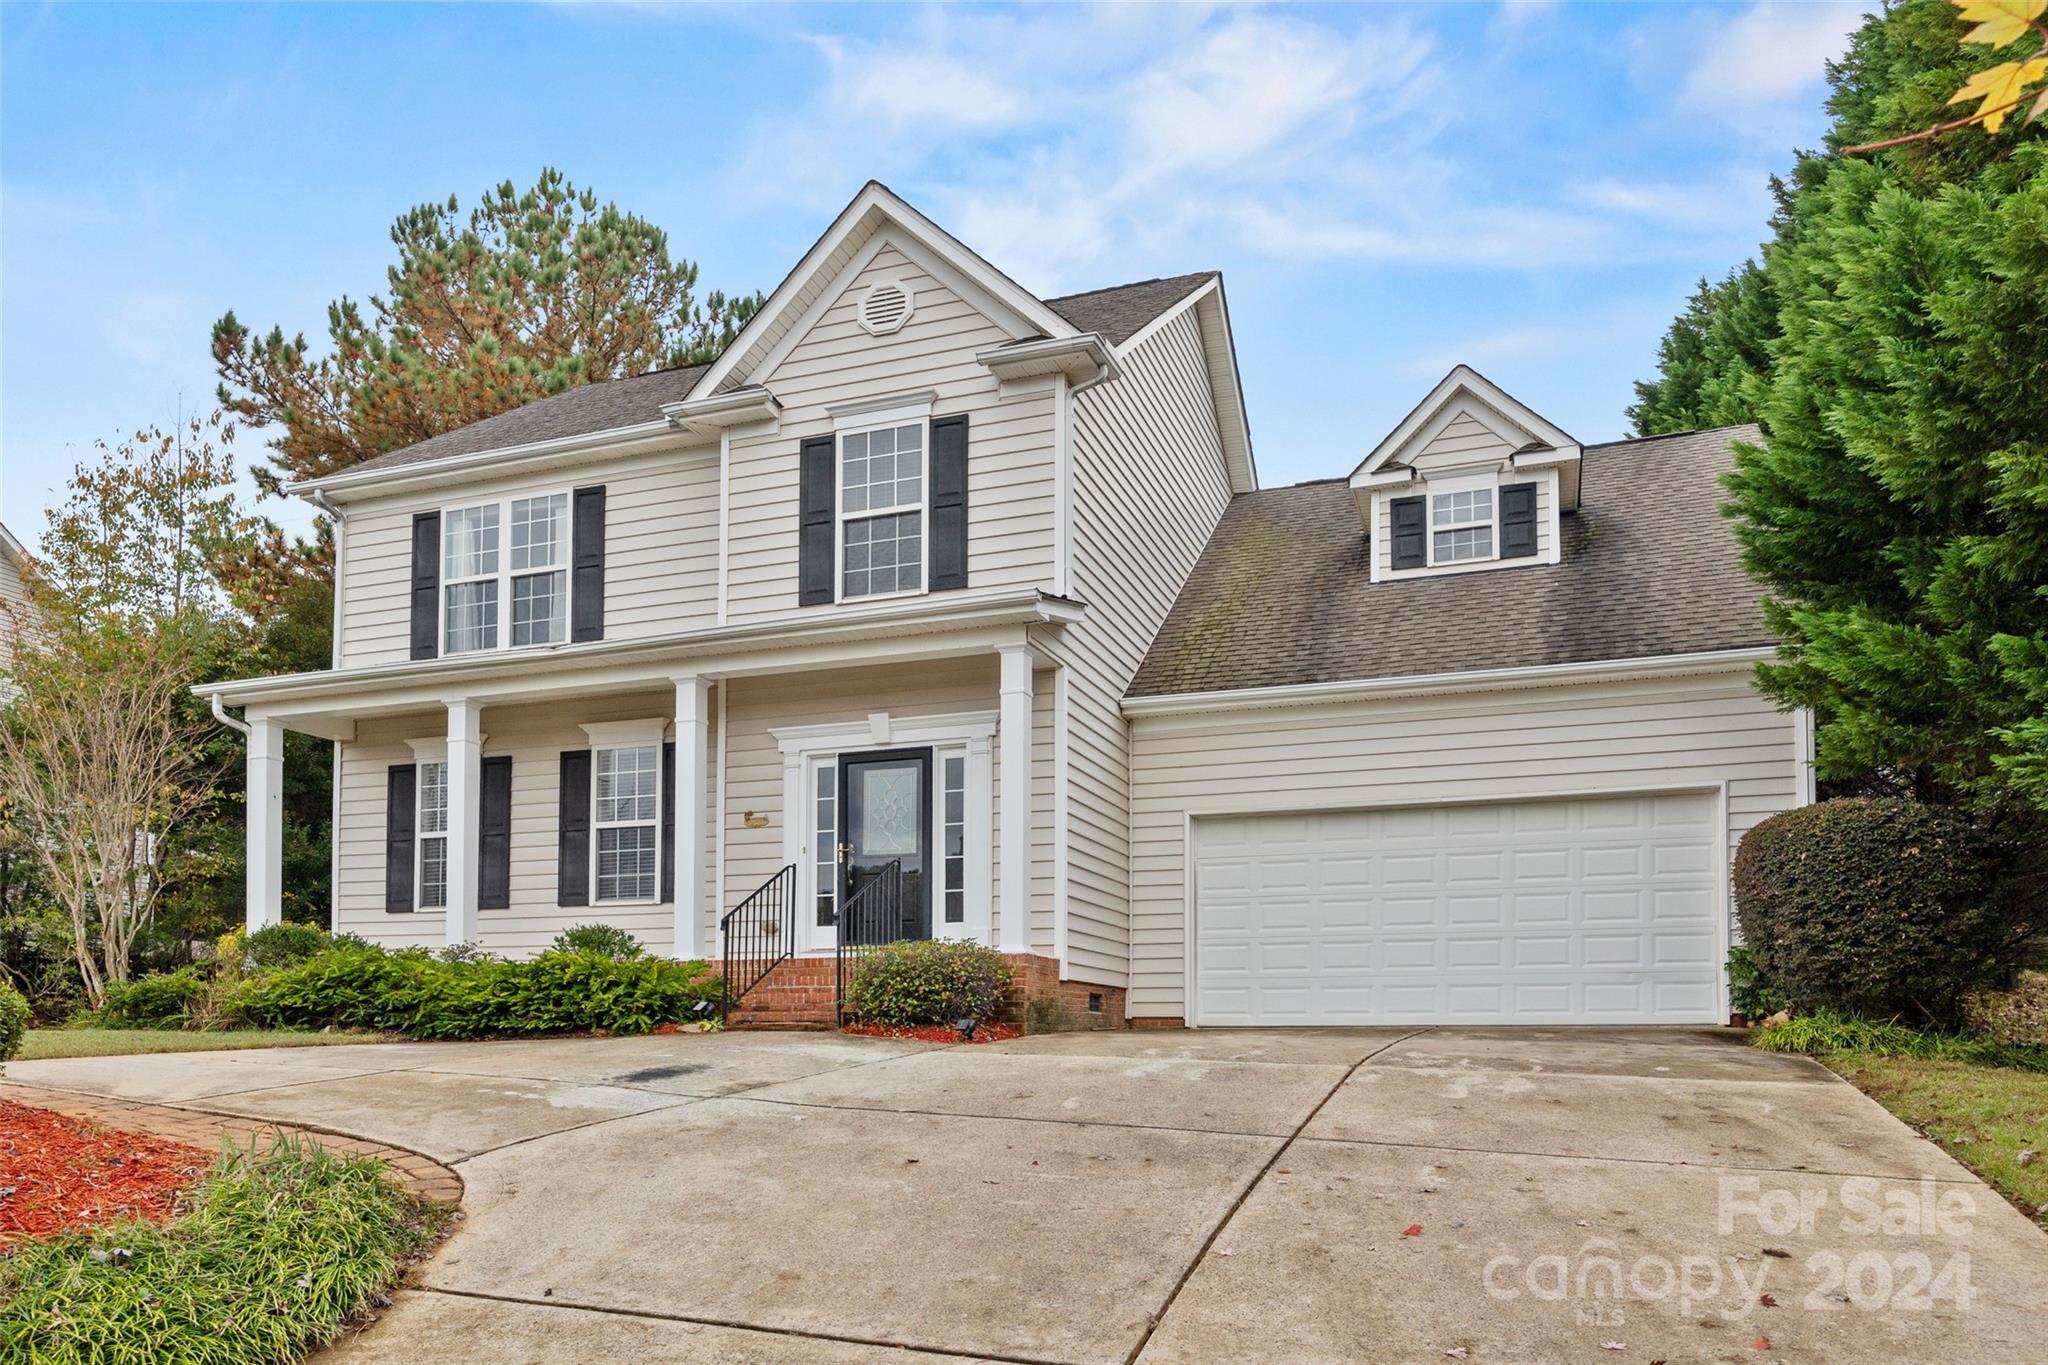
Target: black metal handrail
(759, 934)
(872, 915)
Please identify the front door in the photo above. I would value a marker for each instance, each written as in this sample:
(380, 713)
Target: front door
(886, 802)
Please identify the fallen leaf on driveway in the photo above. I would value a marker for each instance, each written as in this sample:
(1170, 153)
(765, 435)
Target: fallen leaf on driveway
(1781, 1255)
(1412, 1230)
(1457, 1353)
(1582, 1222)
(1761, 1343)
(1614, 1346)
(1767, 1300)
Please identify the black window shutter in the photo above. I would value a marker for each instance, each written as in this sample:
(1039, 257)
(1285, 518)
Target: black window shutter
(668, 821)
(399, 796)
(949, 502)
(817, 478)
(586, 586)
(426, 585)
(494, 835)
(1518, 521)
(572, 853)
(1411, 548)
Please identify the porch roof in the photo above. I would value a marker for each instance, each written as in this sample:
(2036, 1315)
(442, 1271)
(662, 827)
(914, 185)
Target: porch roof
(326, 703)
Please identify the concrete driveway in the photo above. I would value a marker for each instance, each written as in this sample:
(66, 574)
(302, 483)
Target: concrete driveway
(1317, 1195)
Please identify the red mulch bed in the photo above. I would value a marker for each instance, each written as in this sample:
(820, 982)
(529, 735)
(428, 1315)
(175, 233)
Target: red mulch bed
(937, 1033)
(60, 1174)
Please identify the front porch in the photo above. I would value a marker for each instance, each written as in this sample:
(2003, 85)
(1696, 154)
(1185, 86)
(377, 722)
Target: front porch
(503, 812)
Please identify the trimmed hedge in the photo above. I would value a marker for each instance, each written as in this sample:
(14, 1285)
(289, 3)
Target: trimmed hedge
(159, 1001)
(13, 1020)
(927, 981)
(1881, 907)
(414, 993)
(283, 944)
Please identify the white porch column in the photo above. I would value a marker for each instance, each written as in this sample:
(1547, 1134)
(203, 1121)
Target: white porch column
(693, 745)
(264, 898)
(465, 777)
(1013, 737)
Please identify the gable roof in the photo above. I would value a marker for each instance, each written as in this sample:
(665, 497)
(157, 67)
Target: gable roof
(1283, 593)
(1121, 312)
(581, 411)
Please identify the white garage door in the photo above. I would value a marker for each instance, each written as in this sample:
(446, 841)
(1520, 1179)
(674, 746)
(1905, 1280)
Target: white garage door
(1596, 911)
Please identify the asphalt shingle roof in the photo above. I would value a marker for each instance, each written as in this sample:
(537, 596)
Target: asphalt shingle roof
(1116, 313)
(1283, 593)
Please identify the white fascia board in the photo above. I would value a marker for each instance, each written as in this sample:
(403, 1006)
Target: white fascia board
(11, 547)
(885, 622)
(1474, 680)
(874, 204)
(1083, 358)
(1468, 380)
(711, 416)
(1226, 384)
(1385, 478)
(353, 484)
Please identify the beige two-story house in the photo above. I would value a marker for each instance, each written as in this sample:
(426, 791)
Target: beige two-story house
(937, 609)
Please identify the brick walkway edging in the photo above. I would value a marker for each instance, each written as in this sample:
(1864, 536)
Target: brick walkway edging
(420, 1175)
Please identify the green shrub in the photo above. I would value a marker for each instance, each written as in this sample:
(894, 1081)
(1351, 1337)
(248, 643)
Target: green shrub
(278, 1253)
(2018, 1015)
(158, 1001)
(1827, 1031)
(465, 952)
(1751, 992)
(1881, 908)
(282, 945)
(13, 1020)
(417, 994)
(928, 981)
(606, 940)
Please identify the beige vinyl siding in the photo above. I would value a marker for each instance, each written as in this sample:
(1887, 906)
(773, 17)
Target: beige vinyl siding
(759, 706)
(1149, 487)
(661, 551)
(1383, 528)
(1552, 741)
(13, 598)
(534, 737)
(1465, 441)
(1010, 440)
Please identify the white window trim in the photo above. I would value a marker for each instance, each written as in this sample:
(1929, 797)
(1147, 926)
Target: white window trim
(807, 748)
(1440, 488)
(851, 423)
(425, 751)
(506, 573)
(626, 734)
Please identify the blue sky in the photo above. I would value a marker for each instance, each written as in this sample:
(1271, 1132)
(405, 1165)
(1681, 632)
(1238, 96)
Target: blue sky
(1532, 188)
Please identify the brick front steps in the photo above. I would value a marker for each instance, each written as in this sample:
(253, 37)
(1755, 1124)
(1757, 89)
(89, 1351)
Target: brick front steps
(422, 1176)
(800, 994)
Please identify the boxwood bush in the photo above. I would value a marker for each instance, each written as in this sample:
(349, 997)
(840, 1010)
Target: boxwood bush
(606, 940)
(282, 944)
(13, 1020)
(414, 993)
(1882, 907)
(927, 981)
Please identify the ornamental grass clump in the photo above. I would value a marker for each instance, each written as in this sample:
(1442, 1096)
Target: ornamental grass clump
(276, 1254)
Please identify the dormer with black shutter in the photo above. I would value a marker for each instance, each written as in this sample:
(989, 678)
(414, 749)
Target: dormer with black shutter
(1471, 480)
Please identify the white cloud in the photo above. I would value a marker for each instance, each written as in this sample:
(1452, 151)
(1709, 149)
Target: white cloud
(1738, 196)
(1769, 53)
(921, 87)
(1509, 343)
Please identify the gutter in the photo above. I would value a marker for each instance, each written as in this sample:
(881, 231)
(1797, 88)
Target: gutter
(223, 717)
(508, 457)
(1473, 680)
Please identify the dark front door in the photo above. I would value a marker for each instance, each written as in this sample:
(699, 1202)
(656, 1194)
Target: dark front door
(887, 802)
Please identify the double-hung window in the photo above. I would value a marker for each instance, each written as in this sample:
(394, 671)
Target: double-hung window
(1461, 525)
(881, 510)
(432, 840)
(628, 823)
(484, 578)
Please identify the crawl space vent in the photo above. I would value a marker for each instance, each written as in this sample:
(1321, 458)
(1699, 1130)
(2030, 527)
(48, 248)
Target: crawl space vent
(884, 308)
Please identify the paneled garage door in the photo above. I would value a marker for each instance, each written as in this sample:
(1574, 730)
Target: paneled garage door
(1595, 911)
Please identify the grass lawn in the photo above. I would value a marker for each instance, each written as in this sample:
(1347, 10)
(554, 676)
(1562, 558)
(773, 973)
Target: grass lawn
(1983, 1116)
(43, 1043)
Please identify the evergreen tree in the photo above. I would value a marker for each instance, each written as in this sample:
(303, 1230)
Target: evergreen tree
(529, 294)
(1897, 508)
(1711, 364)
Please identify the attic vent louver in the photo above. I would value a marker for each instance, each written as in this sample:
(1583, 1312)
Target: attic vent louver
(885, 308)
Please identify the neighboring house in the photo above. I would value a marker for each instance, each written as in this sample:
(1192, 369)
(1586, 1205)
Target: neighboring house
(13, 601)
(933, 584)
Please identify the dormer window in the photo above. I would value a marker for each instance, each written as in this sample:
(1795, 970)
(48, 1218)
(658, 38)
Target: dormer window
(1461, 526)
